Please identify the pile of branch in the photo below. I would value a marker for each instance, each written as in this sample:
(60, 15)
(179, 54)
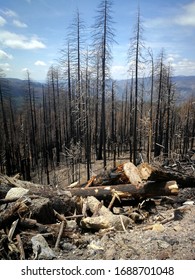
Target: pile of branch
(30, 214)
(34, 218)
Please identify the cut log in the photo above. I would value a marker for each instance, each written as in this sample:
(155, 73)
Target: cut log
(126, 173)
(132, 173)
(156, 173)
(145, 170)
(105, 218)
(15, 193)
(94, 204)
(149, 189)
(183, 180)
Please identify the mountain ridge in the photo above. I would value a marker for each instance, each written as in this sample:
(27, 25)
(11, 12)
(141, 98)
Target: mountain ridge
(185, 86)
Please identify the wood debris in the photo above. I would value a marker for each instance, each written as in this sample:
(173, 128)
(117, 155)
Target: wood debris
(34, 219)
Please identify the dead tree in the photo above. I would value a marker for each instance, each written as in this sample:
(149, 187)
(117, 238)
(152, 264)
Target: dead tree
(103, 39)
(135, 54)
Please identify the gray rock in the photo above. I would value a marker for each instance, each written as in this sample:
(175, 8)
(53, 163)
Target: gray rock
(68, 246)
(41, 249)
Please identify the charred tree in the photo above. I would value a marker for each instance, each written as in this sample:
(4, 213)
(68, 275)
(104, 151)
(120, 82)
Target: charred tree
(103, 38)
(6, 140)
(135, 55)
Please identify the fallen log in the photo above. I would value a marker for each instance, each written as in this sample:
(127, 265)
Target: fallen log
(34, 189)
(184, 181)
(126, 173)
(104, 218)
(60, 199)
(156, 173)
(132, 173)
(149, 189)
(8, 216)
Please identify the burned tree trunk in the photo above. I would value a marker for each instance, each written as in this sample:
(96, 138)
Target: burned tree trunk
(184, 179)
(13, 213)
(149, 189)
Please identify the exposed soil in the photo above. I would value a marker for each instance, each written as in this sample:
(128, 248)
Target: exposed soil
(172, 240)
(165, 229)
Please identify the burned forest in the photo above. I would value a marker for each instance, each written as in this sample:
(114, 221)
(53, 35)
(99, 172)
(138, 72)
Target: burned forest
(88, 163)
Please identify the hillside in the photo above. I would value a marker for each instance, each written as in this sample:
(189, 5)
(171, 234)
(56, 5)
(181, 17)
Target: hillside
(17, 89)
(185, 87)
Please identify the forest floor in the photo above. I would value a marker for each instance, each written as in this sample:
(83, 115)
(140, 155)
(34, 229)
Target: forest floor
(63, 176)
(164, 229)
(175, 239)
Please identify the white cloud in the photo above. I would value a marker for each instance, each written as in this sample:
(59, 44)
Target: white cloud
(157, 22)
(9, 13)
(19, 24)
(182, 66)
(40, 63)
(16, 41)
(5, 67)
(4, 55)
(25, 70)
(2, 21)
(172, 57)
(187, 18)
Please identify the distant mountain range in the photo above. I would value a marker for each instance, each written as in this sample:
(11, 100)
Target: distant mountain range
(17, 89)
(185, 87)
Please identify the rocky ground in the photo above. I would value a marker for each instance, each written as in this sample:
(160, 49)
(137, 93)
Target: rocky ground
(162, 228)
(175, 239)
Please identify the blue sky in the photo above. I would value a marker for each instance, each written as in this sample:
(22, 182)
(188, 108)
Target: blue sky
(33, 31)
